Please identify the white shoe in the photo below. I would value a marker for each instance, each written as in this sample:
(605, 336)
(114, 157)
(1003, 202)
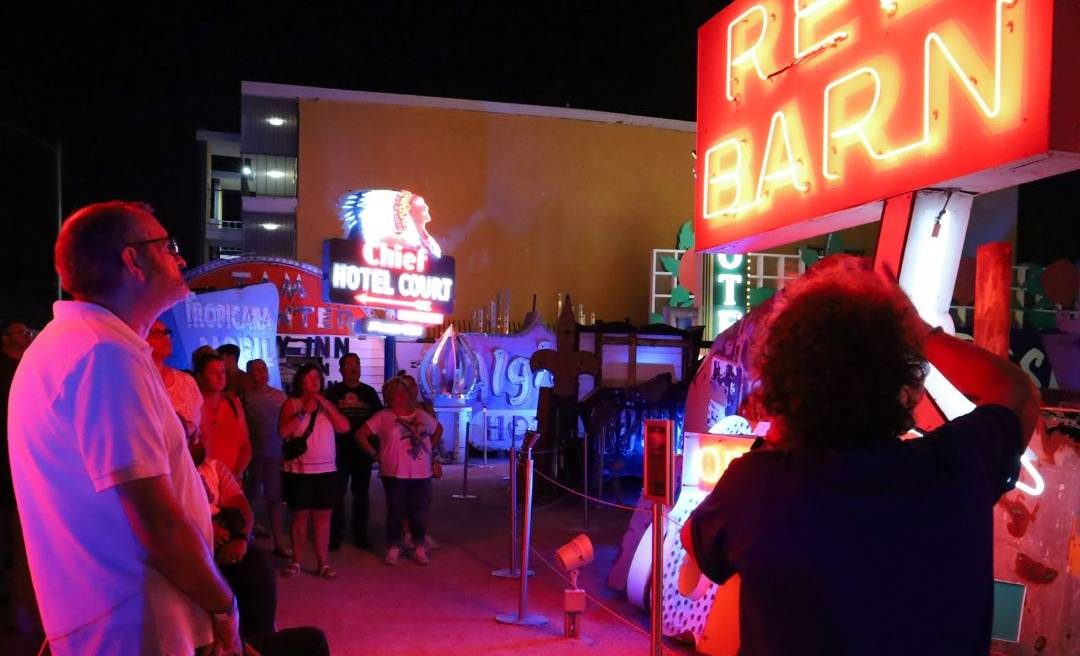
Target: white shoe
(429, 543)
(407, 542)
(421, 557)
(392, 555)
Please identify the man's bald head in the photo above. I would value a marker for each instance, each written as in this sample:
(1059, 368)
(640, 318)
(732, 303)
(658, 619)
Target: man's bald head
(87, 253)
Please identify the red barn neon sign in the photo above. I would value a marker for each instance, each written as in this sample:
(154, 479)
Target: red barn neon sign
(811, 110)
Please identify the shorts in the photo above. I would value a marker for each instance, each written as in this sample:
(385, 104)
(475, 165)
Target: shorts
(309, 491)
(271, 479)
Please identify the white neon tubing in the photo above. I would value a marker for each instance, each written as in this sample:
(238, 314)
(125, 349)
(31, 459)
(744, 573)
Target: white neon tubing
(750, 52)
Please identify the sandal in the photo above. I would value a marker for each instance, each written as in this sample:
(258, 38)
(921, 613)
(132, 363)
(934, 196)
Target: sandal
(284, 553)
(327, 573)
(291, 570)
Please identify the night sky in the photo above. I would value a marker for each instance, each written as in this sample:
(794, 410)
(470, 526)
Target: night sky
(125, 88)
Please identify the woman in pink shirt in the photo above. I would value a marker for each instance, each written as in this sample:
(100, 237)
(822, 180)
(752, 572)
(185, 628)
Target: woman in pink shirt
(223, 426)
(406, 441)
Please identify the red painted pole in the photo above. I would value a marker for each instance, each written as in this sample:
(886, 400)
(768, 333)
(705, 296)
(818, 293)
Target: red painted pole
(993, 286)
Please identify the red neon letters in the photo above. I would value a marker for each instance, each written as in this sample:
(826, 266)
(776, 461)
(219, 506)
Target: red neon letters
(809, 108)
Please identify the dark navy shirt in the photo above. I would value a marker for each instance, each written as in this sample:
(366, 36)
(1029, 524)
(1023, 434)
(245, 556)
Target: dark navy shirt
(884, 549)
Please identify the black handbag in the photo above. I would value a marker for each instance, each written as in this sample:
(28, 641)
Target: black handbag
(296, 447)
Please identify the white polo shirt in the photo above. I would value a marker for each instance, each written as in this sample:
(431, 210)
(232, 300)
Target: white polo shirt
(88, 411)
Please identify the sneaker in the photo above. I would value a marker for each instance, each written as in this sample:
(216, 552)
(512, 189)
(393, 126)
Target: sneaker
(407, 542)
(392, 555)
(429, 543)
(421, 557)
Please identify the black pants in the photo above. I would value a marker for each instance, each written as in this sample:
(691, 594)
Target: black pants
(302, 641)
(254, 583)
(406, 497)
(354, 473)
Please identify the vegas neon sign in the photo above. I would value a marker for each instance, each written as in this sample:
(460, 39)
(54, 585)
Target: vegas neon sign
(809, 111)
(389, 262)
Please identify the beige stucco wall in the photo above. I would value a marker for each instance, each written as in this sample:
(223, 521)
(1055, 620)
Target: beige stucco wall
(530, 204)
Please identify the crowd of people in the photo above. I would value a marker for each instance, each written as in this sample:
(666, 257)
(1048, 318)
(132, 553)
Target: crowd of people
(135, 486)
(138, 484)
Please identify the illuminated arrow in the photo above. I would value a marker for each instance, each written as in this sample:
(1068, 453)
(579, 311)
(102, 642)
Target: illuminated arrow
(364, 299)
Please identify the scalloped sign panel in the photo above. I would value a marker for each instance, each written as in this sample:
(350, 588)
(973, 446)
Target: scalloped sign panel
(301, 308)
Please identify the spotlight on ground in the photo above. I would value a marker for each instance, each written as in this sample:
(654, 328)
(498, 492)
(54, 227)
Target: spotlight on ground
(572, 556)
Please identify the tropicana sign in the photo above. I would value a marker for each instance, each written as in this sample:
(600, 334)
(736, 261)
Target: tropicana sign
(811, 111)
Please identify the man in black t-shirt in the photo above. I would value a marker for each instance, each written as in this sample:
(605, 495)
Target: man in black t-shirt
(358, 402)
(846, 538)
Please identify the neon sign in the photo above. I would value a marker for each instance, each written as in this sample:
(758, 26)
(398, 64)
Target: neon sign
(392, 328)
(809, 110)
(729, 289)
(707, 457)
(388, 260)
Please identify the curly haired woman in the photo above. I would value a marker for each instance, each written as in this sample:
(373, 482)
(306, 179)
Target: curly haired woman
(848, 539)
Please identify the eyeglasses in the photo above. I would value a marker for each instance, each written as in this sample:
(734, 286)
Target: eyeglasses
(172, 246)
(164, 332)
(25, 332)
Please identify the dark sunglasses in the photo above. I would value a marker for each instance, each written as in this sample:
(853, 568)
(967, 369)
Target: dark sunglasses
(172, 245)
(164, 332)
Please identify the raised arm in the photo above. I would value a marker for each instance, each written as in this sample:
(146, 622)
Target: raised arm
(983, 377)
(340, 421)
(293, 420)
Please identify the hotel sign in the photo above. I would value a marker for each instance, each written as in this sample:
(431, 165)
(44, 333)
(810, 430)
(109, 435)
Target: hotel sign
(359, 273)
(389, 261)
(809, 111)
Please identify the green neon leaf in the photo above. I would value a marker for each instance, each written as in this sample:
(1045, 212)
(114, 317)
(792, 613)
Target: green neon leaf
(685, 241)
(680, 297)
(834, 244)
(1033, 281)
(1041, 320)
(809, 256)
(759, 295)
(670, 264)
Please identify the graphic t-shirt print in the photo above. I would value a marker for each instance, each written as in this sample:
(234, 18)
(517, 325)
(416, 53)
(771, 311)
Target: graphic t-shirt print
(351, 405)
(415, 432)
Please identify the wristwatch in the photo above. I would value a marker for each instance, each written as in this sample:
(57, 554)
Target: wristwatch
(226, 615)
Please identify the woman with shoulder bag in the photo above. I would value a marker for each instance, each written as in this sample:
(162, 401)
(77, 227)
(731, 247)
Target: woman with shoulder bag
(309, 474)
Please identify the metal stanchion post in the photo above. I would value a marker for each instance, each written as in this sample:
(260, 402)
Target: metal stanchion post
(523, 616)
(584, 528)
(657, 610)
(585, 482)
(487, 435)
(601, 450)
(464, 494)
(512, 572)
